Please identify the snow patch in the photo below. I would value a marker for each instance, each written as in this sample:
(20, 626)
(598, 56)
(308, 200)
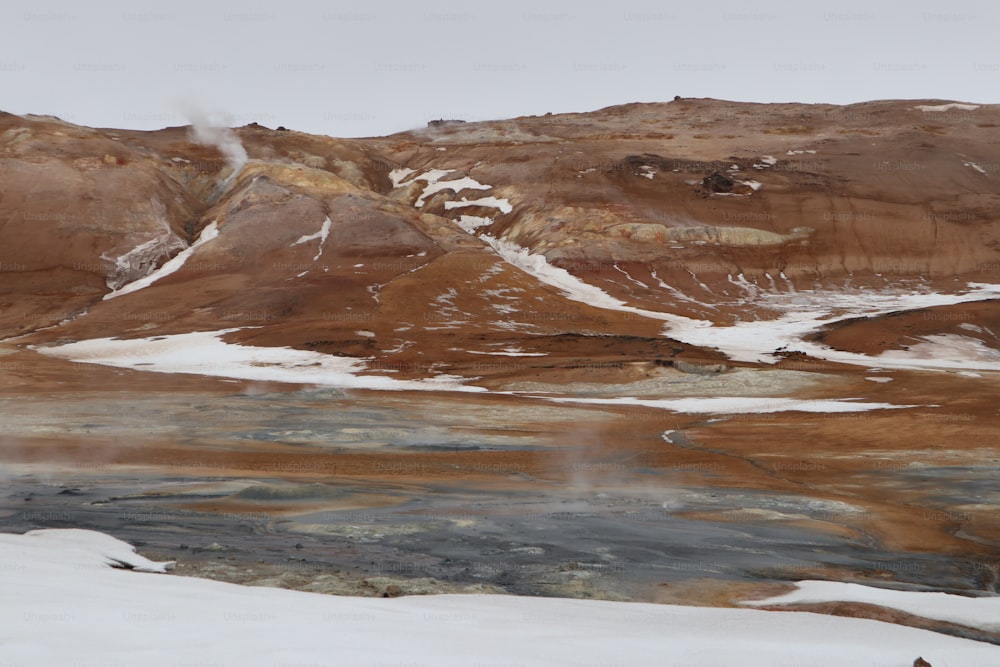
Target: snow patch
(398, 176)
(432, 177)
(962, 351)
(502, 204)
(509, 353)
(84, 550)
(111, 617)
(321, 235)
(737, 404)
(630, 278)
(976, 167)
(807, 311)
(210, 231)
(756, 341)
(205, 353)
(946, 107)
(571, 287)
(457, 185)
(471, 223)
(974, 612)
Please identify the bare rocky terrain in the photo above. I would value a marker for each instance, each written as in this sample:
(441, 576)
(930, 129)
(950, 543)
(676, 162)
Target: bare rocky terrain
(608, 354)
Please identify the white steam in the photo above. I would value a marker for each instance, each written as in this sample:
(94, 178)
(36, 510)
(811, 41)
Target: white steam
(204, 131)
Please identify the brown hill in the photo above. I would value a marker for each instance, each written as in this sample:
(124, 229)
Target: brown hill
(870, 195)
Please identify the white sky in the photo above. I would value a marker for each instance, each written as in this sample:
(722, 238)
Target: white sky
(350, 68)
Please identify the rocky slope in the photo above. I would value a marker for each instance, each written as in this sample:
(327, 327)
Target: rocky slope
(715, 210)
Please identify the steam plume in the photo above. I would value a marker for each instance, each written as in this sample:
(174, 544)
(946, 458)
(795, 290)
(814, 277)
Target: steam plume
(204, 131)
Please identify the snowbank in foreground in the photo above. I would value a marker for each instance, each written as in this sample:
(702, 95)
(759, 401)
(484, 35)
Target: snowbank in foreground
(84, 548)
(58, 610)
(982, 612)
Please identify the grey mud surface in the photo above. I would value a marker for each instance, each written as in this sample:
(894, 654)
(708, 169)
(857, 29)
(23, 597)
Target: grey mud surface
(604, 536)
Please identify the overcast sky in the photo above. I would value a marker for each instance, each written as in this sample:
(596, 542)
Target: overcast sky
(349, 68)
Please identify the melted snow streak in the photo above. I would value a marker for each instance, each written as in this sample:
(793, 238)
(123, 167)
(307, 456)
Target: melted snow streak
(976, 167)
(321, 236)
(170, 266)
(63, 604)
(571, 287)
(204, 353)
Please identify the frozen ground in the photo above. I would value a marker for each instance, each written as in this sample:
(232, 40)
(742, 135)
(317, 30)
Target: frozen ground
(63, 604)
